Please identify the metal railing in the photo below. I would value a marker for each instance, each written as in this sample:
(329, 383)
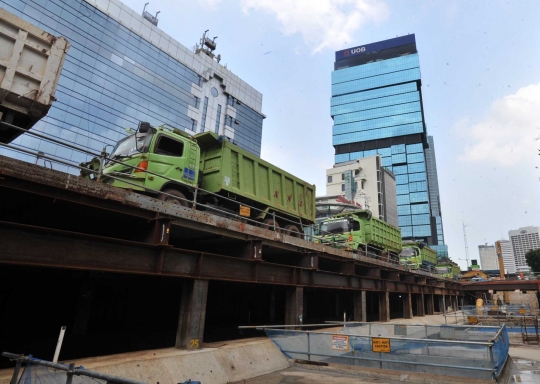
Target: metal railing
(304, 228)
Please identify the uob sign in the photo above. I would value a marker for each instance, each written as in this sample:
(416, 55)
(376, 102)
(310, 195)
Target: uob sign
(358, 50)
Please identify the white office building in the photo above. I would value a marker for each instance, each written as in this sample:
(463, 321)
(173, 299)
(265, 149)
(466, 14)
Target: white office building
(375, 187)
(489, 261)
(509, 260)
(122, 69)
(523, 240)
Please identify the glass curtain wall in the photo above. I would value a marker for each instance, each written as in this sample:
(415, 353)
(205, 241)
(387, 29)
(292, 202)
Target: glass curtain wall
(381, 100)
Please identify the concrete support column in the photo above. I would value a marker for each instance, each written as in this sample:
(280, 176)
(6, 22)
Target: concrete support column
(407, 305)
(384, 306)
(360, 311)
(455, 303)
(430, 304)
(294, 306)
(420, 305)
(192, 314)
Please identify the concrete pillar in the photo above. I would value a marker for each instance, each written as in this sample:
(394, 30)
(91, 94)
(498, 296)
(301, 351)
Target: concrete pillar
(384, 306)
(360, 311)
(407, 305)
(192, 314)
(455, 303)
(430, 304)
(294, 306)
(420, 305)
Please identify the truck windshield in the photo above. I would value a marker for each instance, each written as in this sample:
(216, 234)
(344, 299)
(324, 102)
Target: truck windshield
(339, 226)
(130, 145)
(407, 252)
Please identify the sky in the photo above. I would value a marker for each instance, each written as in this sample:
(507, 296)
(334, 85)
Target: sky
(480, 69)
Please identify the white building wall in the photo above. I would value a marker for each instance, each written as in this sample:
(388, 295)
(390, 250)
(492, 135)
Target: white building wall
(489, 260)
(508, 256)
(208, 68)
(365, 175)
(523, 240)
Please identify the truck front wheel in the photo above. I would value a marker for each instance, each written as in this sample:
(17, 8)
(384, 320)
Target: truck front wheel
(174, 196)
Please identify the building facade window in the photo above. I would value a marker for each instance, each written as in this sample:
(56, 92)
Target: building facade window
(204, 111)
(218, 118)
(329, 179)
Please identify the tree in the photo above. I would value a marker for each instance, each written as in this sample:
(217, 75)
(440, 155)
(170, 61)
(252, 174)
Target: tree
(533, 259)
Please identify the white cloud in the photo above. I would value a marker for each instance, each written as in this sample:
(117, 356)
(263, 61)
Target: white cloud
(322, 23)
(510, 133)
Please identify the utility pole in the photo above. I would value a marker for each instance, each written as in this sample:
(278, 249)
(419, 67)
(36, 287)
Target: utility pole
(466, 245)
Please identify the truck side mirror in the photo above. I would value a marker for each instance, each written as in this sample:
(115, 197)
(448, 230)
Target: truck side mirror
(421, 245)
(144, 127)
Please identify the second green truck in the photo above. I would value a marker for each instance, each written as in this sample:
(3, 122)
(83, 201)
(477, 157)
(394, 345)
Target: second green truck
(360, 232)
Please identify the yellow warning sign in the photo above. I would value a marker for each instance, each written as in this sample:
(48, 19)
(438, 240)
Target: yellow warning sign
(379, 344)
(472, 319)
(522, 311)
(245, 211)
(340, 343)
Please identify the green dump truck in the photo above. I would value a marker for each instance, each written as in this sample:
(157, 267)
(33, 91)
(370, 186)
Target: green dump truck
(360, 232)
(219, 175)
(417, 255)
(448, 269)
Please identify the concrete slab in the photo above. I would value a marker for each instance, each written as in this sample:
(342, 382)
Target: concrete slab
(240, 360)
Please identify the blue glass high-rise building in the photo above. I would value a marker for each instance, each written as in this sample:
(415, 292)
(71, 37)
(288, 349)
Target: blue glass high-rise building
(377, 109)
(122, 69)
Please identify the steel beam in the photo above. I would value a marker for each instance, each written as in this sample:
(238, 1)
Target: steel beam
(28, 245)
(384, 306)
(419, 298)
(407, 305)
(294, 306)
(430, 304)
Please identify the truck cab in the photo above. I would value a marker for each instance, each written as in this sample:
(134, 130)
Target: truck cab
(163, 151)
(417, 255)
(340, 232)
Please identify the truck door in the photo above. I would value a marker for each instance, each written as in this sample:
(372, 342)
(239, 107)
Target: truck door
(169, 158)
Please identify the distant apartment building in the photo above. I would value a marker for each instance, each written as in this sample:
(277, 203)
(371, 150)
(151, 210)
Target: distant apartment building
(489, 261)
(508, 256)
(374, 186)
(523, 240)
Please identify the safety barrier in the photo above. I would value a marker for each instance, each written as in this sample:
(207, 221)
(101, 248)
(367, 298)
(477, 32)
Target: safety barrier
(474, 352)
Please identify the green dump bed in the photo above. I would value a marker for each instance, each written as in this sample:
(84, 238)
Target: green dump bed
(229, 169)
(379, 233)
(429, 255)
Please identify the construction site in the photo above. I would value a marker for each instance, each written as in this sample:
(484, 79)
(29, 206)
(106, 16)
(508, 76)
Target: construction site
(181, 256)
